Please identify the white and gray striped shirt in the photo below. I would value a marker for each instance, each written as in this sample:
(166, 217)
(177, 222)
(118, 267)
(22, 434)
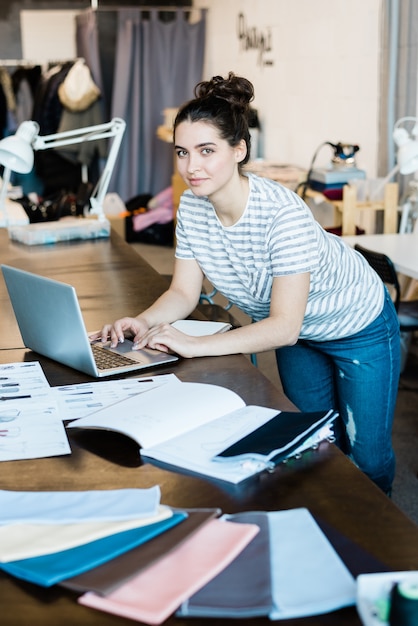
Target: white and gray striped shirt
(277, 235)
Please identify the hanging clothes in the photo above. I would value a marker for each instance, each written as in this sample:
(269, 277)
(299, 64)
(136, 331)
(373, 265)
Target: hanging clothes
(25, 82)
(80, 99)
(55, 172)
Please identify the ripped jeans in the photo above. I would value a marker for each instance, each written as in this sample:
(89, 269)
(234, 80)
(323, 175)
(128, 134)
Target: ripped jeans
(358, 376)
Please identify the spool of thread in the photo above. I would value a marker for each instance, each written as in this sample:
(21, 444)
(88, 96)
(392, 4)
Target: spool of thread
(404, 603)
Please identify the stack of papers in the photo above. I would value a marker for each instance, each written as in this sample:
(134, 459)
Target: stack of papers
(30, 422)
(32, 414)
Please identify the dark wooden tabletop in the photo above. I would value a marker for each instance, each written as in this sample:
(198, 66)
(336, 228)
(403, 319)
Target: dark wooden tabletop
(112, 280)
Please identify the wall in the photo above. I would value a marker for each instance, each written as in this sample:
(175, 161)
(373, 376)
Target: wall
(317, 79)
(315, 69)
(10, 34)
(61, 41)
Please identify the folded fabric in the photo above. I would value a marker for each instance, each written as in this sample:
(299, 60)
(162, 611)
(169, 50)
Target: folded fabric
(26, 541)
(109, 576)
(159, 589)
(307, 575)
(288, 433)
(243, 589)
(65, 507)
(51, 569)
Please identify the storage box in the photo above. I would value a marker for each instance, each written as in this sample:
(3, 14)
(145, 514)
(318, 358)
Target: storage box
(65, 229)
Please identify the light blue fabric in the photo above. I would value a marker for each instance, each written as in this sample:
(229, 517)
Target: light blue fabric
(358, 377)
(50, 569)
(65, 507)
(308, 577)
(289, 570)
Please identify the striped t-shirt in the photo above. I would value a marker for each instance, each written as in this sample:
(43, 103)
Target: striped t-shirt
(277, 235)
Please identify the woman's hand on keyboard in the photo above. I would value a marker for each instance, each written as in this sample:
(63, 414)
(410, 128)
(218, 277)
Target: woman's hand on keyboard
(116, 332)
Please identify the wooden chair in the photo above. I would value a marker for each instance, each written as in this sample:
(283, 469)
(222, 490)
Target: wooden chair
(347, 209)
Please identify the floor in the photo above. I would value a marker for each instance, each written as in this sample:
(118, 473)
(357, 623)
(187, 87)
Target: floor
(405, 432)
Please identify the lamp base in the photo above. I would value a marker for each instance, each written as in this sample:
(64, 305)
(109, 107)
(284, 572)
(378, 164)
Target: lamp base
(66, 229)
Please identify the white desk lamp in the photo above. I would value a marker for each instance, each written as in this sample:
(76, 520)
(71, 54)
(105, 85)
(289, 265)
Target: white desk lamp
(407, 156)
(406, 160)
(17, 154)
(407, 163)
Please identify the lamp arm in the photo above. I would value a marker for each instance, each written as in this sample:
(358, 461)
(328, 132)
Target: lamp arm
(97, 198)
(88, 133)
(115, 128)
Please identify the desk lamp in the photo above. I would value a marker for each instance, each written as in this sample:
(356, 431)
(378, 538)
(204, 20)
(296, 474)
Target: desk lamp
(17, 154)
(406, 160)
(407, 156)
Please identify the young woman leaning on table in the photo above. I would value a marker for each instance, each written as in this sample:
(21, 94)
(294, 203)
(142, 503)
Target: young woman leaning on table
(313, 299)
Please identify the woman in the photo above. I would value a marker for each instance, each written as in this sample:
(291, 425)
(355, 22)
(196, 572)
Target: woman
(313, 299)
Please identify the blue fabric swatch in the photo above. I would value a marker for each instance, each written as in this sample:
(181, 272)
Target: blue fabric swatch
(67, 507)
(50, 569)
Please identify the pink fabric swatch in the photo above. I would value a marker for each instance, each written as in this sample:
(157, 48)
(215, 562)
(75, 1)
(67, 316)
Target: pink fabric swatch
(156, 592)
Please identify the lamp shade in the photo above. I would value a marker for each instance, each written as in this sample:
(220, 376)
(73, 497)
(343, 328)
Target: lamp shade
(408, 157)
(16, 152)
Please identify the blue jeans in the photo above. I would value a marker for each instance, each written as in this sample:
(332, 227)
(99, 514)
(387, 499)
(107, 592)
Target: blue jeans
(357, 376)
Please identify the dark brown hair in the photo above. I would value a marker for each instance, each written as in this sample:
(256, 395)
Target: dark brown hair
(224, 103)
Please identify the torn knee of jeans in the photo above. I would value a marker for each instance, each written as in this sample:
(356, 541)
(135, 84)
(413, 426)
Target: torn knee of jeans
(350, 426)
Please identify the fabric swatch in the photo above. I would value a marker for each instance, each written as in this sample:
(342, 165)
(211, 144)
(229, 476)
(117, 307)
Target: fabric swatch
(307, 575)
(160, 589)
(26, 541)
(67, 507)
(243, 589)
(111, 575)
(51, 569)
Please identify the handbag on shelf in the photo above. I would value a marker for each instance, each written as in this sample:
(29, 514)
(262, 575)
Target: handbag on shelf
(61, 204)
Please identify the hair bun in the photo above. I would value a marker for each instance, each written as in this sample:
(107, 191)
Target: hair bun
(236, 90)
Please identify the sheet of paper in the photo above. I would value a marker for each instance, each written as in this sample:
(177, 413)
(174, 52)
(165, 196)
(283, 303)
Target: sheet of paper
(19, 380)
(80, 400)
(159, 415)
(30, 424)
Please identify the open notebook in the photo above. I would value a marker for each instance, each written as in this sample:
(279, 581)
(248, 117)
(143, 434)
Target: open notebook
(51, 323)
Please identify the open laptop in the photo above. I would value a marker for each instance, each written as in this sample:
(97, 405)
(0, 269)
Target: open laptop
(50, 321)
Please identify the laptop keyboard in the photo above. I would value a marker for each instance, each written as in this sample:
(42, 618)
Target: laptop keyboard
(105, 359)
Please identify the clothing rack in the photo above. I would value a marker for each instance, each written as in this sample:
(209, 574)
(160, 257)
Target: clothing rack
(95, 6)
(31, 62)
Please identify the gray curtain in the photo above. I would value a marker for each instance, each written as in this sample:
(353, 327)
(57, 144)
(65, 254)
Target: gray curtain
(87, 44)
(399, 76)
(145, 65)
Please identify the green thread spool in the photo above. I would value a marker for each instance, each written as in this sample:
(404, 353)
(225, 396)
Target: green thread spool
(404, 604)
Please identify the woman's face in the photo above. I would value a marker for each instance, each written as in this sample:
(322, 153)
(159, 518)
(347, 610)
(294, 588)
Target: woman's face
(205, 161)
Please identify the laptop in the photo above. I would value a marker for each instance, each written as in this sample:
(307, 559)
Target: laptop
(50, 321)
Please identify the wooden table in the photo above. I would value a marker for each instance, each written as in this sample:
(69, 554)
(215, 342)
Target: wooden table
(112, 280)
